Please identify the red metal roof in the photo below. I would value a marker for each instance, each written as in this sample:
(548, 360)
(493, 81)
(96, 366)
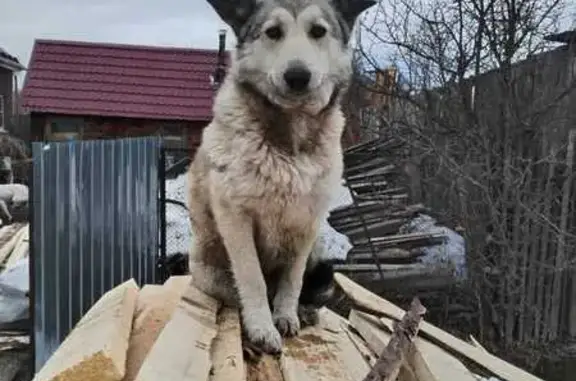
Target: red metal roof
(82, 78)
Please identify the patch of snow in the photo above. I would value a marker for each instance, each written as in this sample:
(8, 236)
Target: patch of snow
(178, 230)
(452, 250)
(14, 286)
(329, 245)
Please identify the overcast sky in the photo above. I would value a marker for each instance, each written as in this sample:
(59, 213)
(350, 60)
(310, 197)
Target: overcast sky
(184, 23)
(187, 23)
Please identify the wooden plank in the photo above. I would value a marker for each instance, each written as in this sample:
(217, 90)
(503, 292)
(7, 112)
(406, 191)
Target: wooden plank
(178, 282)
(312, 356)
(323, 352)
(266, 369)
(154, 307)
(7, 248)
(96, 347)
(21, 248)
(369, 301)
(182, 351)
(476, 343)
(354, 355)
(227, 357)
(12, 342)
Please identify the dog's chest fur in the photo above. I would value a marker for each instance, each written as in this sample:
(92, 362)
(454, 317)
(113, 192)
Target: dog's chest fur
(280, 169)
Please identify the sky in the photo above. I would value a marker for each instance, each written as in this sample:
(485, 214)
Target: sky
(184, 23)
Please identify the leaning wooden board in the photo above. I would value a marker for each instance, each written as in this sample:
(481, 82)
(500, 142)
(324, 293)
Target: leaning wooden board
(370, 301)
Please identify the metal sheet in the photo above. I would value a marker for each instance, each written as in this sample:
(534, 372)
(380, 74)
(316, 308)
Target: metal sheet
(95, 224)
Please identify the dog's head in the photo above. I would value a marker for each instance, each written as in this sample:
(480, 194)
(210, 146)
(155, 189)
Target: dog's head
(293, 52)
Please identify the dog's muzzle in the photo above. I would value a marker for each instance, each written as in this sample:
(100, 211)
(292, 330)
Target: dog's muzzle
(297, 78)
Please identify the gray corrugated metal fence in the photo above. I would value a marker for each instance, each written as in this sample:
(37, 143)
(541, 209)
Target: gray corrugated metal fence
(95, 224)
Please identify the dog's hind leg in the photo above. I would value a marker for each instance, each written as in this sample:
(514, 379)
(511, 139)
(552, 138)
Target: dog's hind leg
(236, 230)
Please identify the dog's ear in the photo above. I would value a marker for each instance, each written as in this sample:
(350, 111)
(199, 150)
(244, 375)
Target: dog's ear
(234, 13)
(351, 9)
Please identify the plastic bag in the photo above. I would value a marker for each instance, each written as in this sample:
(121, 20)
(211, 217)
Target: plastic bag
(14, 287)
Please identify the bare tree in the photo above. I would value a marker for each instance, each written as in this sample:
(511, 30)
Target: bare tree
(485, 105)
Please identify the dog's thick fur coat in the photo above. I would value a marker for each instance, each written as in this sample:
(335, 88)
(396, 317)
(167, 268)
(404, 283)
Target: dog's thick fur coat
(262, 178)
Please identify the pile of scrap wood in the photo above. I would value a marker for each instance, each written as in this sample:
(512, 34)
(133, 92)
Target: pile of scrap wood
(14, 244)
(14, 303)
(377, 219)
(175, 332)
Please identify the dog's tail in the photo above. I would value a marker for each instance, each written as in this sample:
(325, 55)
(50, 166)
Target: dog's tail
(318, 283)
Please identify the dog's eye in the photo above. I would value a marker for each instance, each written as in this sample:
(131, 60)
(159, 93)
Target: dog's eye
(274, 33)
(317, 31)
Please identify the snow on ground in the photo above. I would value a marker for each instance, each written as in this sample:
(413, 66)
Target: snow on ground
(452, 250)
(14, 285)
(178, 230)
(330, 244)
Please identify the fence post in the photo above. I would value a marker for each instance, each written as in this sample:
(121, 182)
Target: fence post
(161, 265)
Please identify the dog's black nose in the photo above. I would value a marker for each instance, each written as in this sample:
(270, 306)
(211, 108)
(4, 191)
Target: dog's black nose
(297, 78)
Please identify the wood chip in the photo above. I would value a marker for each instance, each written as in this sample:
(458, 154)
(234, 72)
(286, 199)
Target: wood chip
(319, 353)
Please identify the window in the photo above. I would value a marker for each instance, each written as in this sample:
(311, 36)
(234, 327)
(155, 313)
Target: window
(65, 128)
(2, 114)
(64, 125)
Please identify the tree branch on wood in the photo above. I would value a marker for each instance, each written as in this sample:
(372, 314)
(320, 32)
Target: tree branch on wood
(405, 331)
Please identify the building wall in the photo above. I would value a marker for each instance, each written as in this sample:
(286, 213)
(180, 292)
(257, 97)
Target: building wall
(7, 92)
(178, 134)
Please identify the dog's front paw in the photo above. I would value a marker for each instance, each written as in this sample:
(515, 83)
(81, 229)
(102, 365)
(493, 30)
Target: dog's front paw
(288, 324)
(264, 336)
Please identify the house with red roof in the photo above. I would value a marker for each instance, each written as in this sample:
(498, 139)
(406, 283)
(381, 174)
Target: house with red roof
(9, 68)
(85, 90)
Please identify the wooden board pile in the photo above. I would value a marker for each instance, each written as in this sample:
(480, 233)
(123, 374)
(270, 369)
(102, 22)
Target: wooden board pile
(174, 332)
(375, 220)
(14, 244)
(14, 339)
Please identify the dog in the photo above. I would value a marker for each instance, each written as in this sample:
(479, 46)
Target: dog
(262, 177)
(12, 196)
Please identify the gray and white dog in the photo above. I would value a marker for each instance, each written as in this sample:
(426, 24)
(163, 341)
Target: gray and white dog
(263, 176)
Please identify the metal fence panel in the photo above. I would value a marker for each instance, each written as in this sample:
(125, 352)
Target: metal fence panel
(95, 223)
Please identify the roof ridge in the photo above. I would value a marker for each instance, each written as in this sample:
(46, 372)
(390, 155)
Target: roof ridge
(123, 46)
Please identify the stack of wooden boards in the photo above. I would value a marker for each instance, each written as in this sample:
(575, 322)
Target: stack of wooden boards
(14, 244)
(174, 332)
(384, 251)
